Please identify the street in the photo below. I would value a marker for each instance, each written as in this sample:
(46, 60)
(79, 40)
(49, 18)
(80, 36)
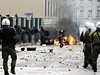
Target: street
(62, 61)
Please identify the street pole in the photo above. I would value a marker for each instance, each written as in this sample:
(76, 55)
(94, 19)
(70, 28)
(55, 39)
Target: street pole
(16, 19)
(0, 21)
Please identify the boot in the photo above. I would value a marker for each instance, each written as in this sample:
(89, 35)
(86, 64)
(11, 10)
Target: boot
(94, 67)
(61, 45)
(85, 63)
(6, 72)
(13, 70)
(85, 66)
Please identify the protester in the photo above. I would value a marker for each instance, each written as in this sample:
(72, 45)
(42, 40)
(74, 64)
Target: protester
(47, 37)
(18, 31)
(36, 35)
(61, 35)
(42, 36)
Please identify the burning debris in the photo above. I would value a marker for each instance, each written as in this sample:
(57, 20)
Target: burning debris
(59, 38)
(66, 40)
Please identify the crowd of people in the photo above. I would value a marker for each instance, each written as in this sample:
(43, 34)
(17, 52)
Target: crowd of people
(27, 35)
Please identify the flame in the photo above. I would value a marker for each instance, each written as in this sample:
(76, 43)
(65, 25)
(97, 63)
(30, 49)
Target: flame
(56, 42)
(71, 40)
(66, 40)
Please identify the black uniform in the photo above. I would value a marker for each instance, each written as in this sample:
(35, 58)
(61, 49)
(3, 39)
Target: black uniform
(95, 39)
(85, 38)
(8, 37)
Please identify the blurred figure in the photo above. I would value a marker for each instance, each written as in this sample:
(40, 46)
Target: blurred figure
(25, 37)
(36, 35)
(61, 35)
(19, 33)
(8, 37)
(95, 40)
(85, 38)
(42, 36)
(47, 37)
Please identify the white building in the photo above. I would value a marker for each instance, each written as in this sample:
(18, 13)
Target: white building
(86, 10)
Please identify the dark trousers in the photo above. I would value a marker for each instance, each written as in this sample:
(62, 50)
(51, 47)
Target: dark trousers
(42, 39)
(6, 51)
(96, 52)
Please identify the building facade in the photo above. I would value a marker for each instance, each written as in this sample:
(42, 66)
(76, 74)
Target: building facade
(31, 13)
(88, 10)
(50, 14)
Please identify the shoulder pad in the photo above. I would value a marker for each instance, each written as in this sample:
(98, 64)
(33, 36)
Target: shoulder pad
(92, 33)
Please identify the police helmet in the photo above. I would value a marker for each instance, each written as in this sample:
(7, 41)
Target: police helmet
(6, 21)
(92, 27)
(98, 25)
(87, 24)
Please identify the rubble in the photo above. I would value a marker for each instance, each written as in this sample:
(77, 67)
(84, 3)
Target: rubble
(60, 62)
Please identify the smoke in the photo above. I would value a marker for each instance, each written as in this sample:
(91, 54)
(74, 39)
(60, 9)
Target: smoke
(69, 26)
(65, 21)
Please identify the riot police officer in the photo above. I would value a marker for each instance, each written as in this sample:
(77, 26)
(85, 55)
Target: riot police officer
(8, 37)
(95, 40)
(87, 44)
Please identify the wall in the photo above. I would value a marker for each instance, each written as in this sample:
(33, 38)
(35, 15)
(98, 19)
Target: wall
(22, 6)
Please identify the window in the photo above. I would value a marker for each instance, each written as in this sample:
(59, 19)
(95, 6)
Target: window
(81, 3)
(81, 13)
(98, 1)
(90, 3)
(98, 13)
(89, 13)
